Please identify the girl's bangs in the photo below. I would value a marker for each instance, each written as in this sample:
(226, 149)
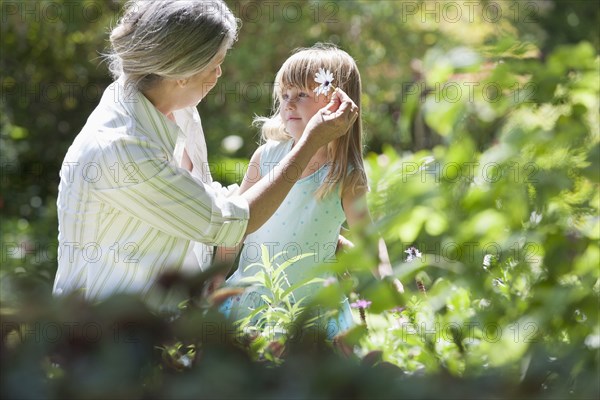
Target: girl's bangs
(299, 71)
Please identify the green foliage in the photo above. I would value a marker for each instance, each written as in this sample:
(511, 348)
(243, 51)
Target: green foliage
(280, 307)
(529, 202)
(484, 140)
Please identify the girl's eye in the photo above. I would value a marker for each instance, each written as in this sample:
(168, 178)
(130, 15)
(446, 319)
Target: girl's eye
(302, 94)
(285, 97)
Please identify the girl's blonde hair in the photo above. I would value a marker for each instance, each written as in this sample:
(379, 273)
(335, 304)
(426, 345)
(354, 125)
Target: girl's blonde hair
(344, 154)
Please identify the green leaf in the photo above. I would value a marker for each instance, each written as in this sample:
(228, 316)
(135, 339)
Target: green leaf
(306, 281)
(291, 261)
(18, 133)
(443, 114)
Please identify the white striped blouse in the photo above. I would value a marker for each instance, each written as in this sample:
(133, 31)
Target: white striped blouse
(126, 211)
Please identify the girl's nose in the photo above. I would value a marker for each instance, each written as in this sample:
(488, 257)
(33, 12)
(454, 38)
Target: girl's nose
(290, 103)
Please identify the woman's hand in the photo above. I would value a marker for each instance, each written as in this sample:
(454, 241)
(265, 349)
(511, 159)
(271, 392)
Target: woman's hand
(212, 285)
(333, 120)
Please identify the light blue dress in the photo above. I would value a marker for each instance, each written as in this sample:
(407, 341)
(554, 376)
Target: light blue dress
(302, 224)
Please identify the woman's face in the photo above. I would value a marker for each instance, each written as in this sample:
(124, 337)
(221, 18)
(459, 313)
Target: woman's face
(197, 86)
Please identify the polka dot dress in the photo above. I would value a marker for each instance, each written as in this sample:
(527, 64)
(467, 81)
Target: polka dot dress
(301, 225)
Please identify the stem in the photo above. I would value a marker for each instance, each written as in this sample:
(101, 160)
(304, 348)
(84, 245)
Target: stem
(363, 317)
(421, 287)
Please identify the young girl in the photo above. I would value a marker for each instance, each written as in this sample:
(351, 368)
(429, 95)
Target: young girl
(331, 190)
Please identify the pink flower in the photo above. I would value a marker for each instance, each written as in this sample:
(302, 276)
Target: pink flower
(362, 304)
(329, 281)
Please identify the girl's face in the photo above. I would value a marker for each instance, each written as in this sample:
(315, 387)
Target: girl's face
(297, 107)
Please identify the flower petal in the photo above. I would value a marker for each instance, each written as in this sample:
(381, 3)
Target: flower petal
(324, 78)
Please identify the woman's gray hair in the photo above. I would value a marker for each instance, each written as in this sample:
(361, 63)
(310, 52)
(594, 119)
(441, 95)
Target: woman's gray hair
(157, 39)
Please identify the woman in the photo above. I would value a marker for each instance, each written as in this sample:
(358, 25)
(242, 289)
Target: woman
(127, 209)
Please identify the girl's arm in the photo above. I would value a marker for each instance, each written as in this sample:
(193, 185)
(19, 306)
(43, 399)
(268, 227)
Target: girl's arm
(355, 207)
(252, 174)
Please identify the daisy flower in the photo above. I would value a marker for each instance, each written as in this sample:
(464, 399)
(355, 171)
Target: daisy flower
(325, 78)
(413, 253)
(487, 261)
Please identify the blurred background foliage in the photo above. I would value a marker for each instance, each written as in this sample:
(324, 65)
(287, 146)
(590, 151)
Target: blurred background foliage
(482, 137)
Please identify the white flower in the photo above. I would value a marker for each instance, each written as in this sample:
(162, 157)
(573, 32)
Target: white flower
(413, 253)
(487, 261)
(324, 78)
(484, 303)
(592, 341)
(535, 218)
